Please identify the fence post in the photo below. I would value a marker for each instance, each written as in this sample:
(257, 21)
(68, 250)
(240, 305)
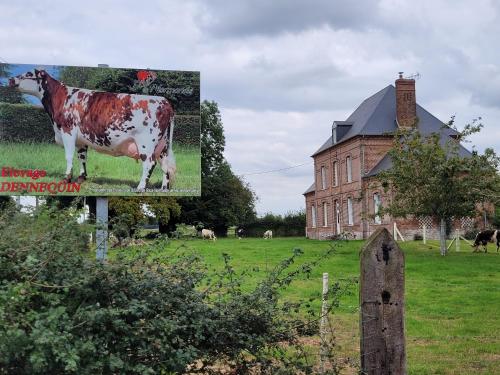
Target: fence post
(457, 242)
(424, 236)
(382, 306)
(323, 325)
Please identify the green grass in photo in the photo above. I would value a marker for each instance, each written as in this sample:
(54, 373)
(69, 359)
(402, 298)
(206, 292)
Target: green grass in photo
(106, 175)
(452, 303)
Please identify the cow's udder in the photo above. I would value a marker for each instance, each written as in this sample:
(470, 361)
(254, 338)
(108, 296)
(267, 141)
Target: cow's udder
(128, 148)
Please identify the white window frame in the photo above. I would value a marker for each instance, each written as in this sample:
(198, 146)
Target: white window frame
(325, 214)
(350, 212)
(335, 173)
(376, 208)
(348, 166)
(323, 177)
(313, 215)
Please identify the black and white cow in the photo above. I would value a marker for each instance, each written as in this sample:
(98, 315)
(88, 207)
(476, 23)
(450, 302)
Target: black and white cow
(482, 238)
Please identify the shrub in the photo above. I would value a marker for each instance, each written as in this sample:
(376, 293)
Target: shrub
(63, 313)
(25, 123)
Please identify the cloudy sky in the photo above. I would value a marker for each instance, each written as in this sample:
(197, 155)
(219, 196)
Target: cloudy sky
(283, 70)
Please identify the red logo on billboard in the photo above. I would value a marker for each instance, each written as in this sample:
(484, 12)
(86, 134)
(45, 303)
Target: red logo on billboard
(146, 75)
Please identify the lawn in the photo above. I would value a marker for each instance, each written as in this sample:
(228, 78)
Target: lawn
(452, 302)
(107, 175)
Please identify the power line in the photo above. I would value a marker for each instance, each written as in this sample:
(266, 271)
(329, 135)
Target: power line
(275, 170)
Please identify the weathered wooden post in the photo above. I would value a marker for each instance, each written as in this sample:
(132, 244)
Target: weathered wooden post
(457, 240)
(323, 326)
(382, 306)
(424, 234)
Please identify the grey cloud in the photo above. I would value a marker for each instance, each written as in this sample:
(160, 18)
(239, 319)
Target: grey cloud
(233, 19)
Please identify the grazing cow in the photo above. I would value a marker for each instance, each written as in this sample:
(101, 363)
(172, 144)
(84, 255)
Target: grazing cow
(268, 234)
(209, 234)
(137, 126)
(482, 238)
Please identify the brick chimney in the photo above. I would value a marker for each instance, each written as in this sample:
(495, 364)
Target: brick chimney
(406, 103)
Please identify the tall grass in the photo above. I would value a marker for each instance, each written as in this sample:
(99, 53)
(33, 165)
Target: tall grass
(104, 172)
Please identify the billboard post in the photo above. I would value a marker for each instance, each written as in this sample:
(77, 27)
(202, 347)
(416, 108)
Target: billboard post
(101, 233)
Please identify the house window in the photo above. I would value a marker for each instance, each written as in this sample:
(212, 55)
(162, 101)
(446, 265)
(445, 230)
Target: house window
(376, 208)
(313, 216)
(350, 216)
(337, 213)
(348, 165)
(323, 178)
(335, 173)
(325, 214)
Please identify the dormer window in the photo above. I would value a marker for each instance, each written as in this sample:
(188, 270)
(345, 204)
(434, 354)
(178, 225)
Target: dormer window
(334, 133)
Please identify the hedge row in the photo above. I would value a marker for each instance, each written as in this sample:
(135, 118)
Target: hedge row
(30, 124)
(278, 231)
(290, 225)
(25, 123)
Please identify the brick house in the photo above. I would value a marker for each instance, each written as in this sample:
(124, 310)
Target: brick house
(346, 195)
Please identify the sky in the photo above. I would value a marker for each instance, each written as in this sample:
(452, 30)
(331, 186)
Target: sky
(281, 71)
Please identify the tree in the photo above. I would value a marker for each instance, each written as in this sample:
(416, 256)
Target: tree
(225, 198)
(429, 177)
(165, 210)
(125, 215)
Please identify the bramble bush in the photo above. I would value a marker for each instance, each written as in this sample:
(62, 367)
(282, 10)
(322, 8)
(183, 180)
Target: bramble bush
(61, 312)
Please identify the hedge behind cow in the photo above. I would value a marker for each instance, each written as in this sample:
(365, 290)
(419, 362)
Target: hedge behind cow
(29, 124)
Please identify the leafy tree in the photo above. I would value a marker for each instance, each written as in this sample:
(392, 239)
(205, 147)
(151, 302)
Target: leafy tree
(213, 140)
(430, 178)
(125, 215)
(6, 203)
(165, 210)
(225, 198)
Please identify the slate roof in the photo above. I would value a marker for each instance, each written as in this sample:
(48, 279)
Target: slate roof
(376, 115)
(311, 189)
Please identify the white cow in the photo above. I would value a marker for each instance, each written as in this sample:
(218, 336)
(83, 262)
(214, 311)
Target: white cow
(209, 234)
(268, 234)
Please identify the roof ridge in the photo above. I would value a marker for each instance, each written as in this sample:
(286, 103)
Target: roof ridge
(376, 105)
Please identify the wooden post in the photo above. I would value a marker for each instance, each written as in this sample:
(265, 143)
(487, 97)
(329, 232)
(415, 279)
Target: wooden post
(394, 232)
(457, 240)
(424, 234)
(323, 325)
(382, 306)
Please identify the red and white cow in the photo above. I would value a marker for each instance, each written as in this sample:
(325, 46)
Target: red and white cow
(137, 126)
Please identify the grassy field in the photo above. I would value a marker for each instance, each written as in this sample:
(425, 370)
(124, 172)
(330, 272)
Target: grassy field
(452, 302)
(107, 175)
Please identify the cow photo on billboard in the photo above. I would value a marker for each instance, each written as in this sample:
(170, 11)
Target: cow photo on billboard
(138, 126)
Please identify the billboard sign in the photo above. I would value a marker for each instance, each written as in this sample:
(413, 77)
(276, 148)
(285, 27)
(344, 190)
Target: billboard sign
(87, 131)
